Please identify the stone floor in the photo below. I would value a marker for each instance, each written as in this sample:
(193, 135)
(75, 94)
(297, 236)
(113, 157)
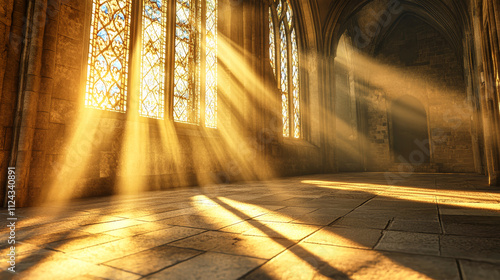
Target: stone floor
(343, 226)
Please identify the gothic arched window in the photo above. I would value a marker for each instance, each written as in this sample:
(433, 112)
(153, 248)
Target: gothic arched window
(109, 55)
(194, 69)
(284, 55)
(195, 72)
(153, 41)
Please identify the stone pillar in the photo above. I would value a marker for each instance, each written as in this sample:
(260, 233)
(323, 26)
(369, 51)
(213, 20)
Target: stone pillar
(494, 24)
(485, 34)
(29, 87)
(6, 14)
(38, 177)
(473, 84)
(6, 10)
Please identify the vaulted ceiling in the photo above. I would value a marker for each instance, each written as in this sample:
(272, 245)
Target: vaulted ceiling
(450, 17)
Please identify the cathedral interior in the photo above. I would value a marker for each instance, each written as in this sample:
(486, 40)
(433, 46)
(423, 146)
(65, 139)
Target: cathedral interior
(250, 139)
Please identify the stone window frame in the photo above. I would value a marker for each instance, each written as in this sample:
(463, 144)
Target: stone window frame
(301, 76)
(133, 83)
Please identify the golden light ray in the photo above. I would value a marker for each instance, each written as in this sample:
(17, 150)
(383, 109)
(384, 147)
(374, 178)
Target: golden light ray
(251, 83)
(83, 145)
(234, 148)
(170, 141)
(444, 197)
(370, 78)
(306, 258)
(379, 74)
(135, 158)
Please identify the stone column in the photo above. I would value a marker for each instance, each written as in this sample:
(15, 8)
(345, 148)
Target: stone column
(487, 91)
(6, 14)
(29, 87)
(6, 8)
(494, 24)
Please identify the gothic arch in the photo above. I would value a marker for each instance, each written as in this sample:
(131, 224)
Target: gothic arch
(449, 19)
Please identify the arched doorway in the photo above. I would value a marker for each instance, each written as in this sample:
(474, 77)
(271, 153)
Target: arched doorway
(410, 136)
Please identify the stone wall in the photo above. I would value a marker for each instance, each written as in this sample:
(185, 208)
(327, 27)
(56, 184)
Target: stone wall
(11, 38)
(416, 60)
(78, 152)
(91, 151)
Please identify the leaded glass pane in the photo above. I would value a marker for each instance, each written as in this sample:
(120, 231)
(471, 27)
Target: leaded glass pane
(279, 9)
(295, 86)
(108, 57)
(272, 43)
(284, 57)
(284, 80)
(211, 65)
(154, 21)
(186, 72)
(289, 14)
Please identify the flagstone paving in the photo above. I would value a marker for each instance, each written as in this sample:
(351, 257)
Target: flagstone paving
(338, 226)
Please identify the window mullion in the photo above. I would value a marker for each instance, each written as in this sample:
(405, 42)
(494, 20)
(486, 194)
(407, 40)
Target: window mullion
(290, 80)
(286, 65)
(134, 82)
(203, 62)
(277, 49)
(275, 23)
(170, 60)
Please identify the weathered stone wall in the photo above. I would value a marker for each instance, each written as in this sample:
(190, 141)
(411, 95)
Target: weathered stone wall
(90, 152)
(59, 89)
(416, 60)
(80, 152)
(84, 150)
(11, 38)
(486, 24)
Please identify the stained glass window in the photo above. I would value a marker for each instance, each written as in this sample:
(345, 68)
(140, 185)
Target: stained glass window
(284, 80)
(295, 86)
(153, 59)
(284, 57)
(211, 64)
(195, 58)
(186, 94)
(107, 71)
(272, 43)
(196, 42)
